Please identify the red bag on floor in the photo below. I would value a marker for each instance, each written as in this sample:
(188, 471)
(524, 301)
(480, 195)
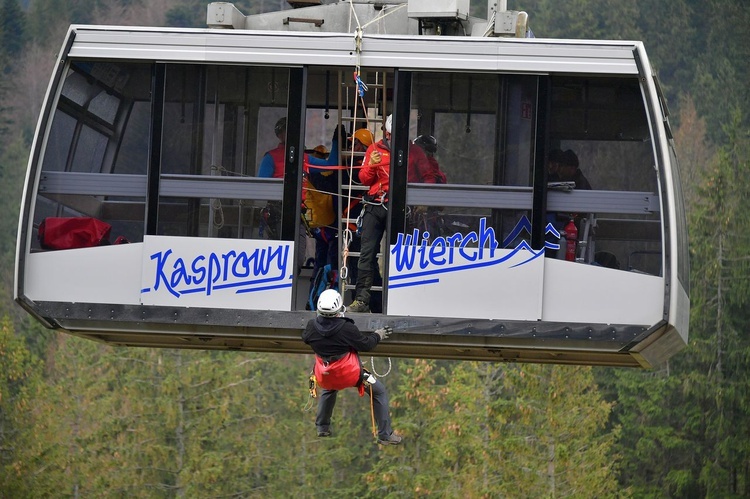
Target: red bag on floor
(73, 232)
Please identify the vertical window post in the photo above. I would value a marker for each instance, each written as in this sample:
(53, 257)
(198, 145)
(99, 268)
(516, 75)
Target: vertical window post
(158, 80)
(539, 203)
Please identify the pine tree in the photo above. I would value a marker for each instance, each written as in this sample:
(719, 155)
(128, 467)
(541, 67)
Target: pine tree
(12, 29)
(721, 231)
(684, 425)
(486, 430)
(20, 377)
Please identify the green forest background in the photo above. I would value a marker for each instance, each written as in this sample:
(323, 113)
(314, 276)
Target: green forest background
(82, 419)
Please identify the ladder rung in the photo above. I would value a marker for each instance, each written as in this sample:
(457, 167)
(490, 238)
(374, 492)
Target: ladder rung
(348, 84)
(354, 286)
(356, 254)
(361, 118)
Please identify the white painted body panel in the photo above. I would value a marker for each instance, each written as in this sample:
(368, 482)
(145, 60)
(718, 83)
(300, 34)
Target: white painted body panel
(106, 274)
(576, 292)
(127, 274)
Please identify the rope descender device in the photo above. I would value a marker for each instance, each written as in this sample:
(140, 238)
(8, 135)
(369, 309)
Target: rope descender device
(313, 387)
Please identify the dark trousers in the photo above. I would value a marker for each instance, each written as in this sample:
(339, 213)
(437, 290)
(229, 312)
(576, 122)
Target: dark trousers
(376, 297)
(373, 226)
(326, 249)
(327, 401)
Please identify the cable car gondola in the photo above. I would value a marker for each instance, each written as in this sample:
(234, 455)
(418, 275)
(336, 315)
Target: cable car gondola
(144, 221)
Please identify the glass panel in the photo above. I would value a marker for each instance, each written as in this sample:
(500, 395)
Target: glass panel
(89, 151)
(105, 107)
(132, 155)
(219, 121)
(475, 130)
(463, 115)
(124, 215)
(600, 142)
(183, 126)
(59, 142)
(456, 149)
(225, 218)
(519, 130)
(202, 137)
(77, 87)
(101, 126)
(108, 118)
(683, 270)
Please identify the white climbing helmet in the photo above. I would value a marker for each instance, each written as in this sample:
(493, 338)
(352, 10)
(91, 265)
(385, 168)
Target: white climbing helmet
(388, 122)
(330, 304)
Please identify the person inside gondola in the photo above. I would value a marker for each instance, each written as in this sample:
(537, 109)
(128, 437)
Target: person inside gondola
(272, 166)
(375, 174)
(568, 170)
(272, 162)
(553, 165)
(428, 144)
(361, 139)
(320, 193)
(325, 237)
(427, 218)
(564, 167)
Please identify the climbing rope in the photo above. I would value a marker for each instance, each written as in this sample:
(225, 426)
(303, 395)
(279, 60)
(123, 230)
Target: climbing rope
(372, 364)
(361, 89)
(372, 415)
(359, 98)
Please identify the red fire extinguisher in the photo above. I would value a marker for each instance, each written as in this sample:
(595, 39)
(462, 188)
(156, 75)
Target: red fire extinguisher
(571, 235)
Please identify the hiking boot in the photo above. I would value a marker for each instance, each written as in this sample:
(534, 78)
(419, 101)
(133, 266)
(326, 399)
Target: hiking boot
(393, 439)
(358, 306)
(326, 433)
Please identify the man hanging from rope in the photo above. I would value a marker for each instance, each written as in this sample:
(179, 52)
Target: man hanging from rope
(336, 341)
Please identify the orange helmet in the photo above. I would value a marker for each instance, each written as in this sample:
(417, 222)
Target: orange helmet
(321, 149)
(364, 135)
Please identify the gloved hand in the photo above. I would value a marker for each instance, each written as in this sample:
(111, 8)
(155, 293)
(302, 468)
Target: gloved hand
(375, 157)
(384, 332)
(340, 134)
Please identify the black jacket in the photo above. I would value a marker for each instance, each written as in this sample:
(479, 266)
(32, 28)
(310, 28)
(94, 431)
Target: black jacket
(333, 336)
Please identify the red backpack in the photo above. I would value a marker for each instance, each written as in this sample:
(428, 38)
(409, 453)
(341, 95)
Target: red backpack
(345, 372)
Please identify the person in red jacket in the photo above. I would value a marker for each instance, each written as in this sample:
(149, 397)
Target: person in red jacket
(336, 341)
(375, 173)
(272, 163)
(428, 144)
(428, 218)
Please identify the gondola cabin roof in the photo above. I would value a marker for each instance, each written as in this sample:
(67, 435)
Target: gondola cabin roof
(527, 55)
